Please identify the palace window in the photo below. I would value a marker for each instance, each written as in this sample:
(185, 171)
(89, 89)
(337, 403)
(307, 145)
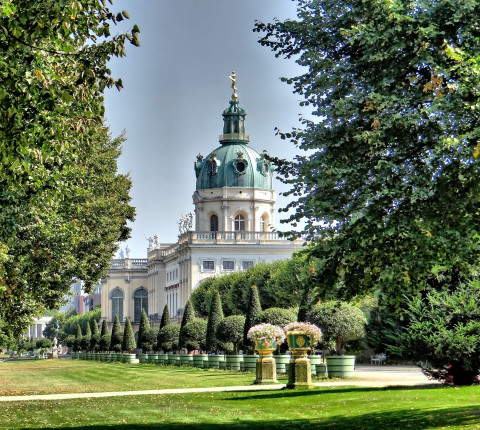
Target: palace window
(239, 223)
(116, 297)
(264, 223)
(214, 223)
(208, 265)
(246, 264)
(140, 301)
(228, 265)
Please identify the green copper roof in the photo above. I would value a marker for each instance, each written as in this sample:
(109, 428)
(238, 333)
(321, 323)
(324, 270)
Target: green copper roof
(234, 163)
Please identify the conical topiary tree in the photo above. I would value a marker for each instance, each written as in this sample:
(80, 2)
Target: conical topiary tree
(188, 316)
(117, 336)
(253, 313)
(77, 345)
(104, 330)
(215, 316)
(128, 343)
(95, 339)
(86, 338)
(142, 330)
(165, 317)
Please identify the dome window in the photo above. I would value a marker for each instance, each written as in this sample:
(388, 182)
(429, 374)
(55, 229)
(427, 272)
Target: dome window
(240, 164)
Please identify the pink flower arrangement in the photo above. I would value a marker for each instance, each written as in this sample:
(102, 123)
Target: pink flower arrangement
(311, 330)
(266, 333)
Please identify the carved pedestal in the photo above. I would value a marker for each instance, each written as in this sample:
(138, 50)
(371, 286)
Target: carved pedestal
(266, 371)
(299, 373)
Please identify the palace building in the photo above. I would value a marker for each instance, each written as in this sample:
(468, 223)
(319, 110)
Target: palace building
(231, 230)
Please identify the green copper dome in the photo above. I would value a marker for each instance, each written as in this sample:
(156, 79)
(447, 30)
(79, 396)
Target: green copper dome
(234, 163)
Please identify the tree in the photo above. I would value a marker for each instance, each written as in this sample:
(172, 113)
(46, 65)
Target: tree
(193, 335)
(104, 330)
(128, 341)
(142, 329)
(340, 322)
(54, 328)
(168, 336)
(389, 188)
(95, 339)
(215, 316)
(230, 332)
(116, 337)
(63, 206)
(253, 312)
(188, 314)
(150, 337)
(277, 316)
(444, 333)
(165, 317)
(78, 339)
(86, 339)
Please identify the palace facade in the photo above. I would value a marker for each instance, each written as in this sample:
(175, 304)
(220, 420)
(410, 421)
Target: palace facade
(231, 230)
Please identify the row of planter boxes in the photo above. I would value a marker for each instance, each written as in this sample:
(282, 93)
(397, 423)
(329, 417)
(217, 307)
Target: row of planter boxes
(202, 361)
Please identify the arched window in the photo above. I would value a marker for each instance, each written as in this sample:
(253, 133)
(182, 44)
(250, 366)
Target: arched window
(264, 223)
(140, 301)
(239, 223)
(214, 223)
(116, 296)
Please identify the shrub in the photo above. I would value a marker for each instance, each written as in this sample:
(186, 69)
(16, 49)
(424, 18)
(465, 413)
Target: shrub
(78, 339)
(117, 336)
(85, 342)
(95, 339)
(340, 322)
(69, 341)
(230, 330)
(168, 337)
(43, 343)
(215, 316)
(128, 341)
(143, 328)
(444, 331)
(104, 330)
(104, 343)
(277, 316)
(165, 317)
(193, 335)
(253, 312)
(149, 342)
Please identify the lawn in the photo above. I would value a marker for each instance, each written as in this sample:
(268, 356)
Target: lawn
(329, 408)
(74, 376)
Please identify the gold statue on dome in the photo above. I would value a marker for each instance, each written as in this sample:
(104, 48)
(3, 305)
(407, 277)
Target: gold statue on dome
(233, 77)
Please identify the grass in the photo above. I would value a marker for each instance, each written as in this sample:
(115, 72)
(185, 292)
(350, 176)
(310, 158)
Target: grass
(321, 408)
(75, 376)
(328, 408)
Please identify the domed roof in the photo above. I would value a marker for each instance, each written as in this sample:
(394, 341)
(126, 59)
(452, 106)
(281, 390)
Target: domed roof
(234, 163)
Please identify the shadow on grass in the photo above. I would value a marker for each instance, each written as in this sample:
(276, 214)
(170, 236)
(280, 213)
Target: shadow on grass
(318, 391)
(399, 419)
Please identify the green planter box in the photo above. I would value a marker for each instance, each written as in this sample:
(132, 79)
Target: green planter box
(108, 357)
(281, 362)
(162, 359)
(214, 361)
(233, 362)
(173, 359)
(75, 355)
(129, 358)
(321, 370)
(152, 358)
(341, 366)
(186, 359)
(200, 361)
(250, 362)
(143, 358)
(314, 360)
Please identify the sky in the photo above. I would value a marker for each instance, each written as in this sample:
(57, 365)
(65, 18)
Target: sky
(176, 86)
